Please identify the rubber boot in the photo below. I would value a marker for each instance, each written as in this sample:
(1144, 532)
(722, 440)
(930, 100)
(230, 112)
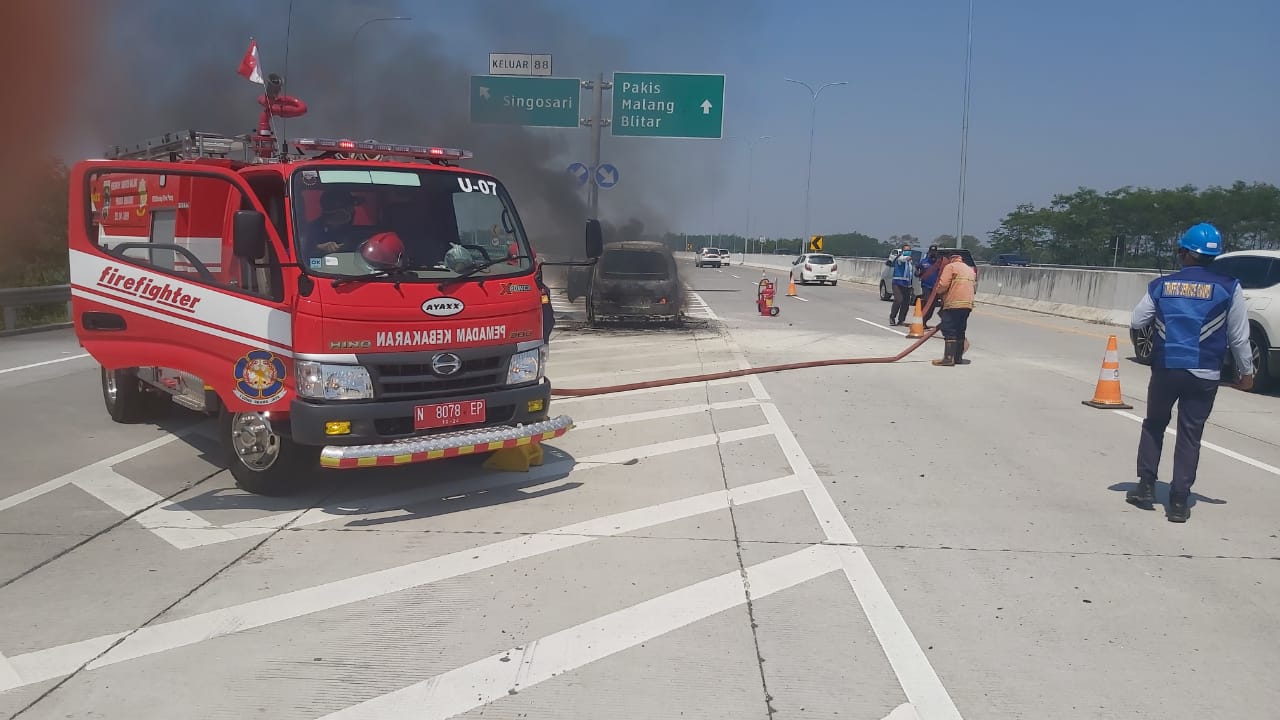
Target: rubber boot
(948, 355)
(1144, 495)
(959, 356)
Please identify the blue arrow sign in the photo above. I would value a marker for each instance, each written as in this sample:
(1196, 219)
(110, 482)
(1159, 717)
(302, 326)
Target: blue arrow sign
(579, 172)
(606, 176)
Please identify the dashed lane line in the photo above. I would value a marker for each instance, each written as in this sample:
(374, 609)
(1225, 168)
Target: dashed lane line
(1210, 446)
(43, 363)
(882, 327)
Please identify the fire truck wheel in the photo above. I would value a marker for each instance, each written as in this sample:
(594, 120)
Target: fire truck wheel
(126, 400)
(262, 460)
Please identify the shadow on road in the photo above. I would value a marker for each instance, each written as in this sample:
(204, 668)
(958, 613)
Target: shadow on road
(1162, 494)
(427, 489)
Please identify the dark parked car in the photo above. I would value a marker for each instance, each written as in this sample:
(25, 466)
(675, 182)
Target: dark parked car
(635, 281)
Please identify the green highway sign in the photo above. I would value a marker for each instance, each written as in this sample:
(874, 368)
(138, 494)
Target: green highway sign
(522, 100)
(672, 105)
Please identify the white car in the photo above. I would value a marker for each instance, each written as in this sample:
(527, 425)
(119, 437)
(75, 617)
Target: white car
(814, 266)
(724, 256)
(1259, 274)
(708, 256)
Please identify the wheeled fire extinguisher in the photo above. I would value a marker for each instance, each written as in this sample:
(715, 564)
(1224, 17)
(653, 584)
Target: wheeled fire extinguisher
(765, 292)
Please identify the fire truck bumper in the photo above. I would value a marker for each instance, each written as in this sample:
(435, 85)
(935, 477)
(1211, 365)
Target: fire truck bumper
(445, 445)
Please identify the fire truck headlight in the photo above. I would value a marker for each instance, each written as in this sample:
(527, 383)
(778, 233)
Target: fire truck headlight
(319, 381)
(527, 366)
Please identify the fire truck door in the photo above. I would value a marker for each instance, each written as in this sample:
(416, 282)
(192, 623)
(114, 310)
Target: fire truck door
(177, 268)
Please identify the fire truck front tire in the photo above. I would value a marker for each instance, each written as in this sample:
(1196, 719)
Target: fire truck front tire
(262, 459)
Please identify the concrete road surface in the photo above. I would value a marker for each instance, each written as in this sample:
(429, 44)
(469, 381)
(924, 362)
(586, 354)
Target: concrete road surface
(878, 541)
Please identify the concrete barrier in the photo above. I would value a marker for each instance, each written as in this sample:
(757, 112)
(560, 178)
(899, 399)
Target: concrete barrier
(1104, 296)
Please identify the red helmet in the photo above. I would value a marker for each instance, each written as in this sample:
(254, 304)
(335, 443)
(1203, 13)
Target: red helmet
(382, 251)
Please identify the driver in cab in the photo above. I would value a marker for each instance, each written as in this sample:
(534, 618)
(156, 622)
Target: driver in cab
(333, 231)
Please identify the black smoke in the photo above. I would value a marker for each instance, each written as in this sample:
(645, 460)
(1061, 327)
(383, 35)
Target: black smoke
(171, 66)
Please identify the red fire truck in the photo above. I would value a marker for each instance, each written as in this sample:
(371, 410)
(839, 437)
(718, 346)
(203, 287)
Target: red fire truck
(357, 303)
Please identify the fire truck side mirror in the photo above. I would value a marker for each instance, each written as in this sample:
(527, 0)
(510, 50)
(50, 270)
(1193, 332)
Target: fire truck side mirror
(250, 234)
(595, 239)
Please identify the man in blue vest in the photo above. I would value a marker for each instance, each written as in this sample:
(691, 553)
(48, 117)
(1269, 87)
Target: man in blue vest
(1197, 314)
(903, 279)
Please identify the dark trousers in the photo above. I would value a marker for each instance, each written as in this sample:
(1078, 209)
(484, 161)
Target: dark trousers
(954, 324)
(1194, 397)
(935, 305)
(901, 303)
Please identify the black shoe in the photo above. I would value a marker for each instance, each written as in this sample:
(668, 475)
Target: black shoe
(1178, 511)
(1144, 495)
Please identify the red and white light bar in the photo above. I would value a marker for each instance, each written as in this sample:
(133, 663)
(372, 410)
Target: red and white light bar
(423, 152)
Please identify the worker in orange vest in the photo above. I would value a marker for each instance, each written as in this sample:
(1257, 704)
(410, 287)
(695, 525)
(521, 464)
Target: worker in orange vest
(956, 284)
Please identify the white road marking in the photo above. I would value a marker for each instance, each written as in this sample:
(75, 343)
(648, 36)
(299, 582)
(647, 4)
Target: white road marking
(664, 413)
(54, 662)
(184, 529)
(882, 327)
(903, 712)
(558, 401)
(8, 675)
(701, 309)
(489, 679)
(639, 375)
(43, 363)
(679, 445)
(736, 276)
(915, 674)
(797, 297)
(1210, 446)
(89, 471)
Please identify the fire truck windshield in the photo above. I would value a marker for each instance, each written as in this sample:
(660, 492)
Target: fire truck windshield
(354, 222)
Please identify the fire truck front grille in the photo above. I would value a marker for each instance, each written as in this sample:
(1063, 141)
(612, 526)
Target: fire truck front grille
(415, 380)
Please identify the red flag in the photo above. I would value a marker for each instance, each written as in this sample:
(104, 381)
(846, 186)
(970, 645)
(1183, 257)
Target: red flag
(249, 67)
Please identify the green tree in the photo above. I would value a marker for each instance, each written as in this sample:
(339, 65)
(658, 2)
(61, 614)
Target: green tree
(1138, 227)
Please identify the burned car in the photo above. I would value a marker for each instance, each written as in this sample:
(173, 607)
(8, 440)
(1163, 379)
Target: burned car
(635, 281)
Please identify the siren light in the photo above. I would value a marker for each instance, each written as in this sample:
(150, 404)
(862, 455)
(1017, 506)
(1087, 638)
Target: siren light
(369, 147)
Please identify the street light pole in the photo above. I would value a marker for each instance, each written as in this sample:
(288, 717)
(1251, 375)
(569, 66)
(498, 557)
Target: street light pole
(354, 104)
(813, 117)
(964, 133)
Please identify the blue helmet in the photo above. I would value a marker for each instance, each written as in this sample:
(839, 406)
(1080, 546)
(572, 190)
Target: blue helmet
(1203, 239)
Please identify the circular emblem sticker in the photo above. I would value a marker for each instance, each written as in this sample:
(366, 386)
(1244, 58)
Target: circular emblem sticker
(259, 377)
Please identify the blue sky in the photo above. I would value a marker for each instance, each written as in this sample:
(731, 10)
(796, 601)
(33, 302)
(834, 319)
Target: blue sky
(1095, 93)
(1090, 93)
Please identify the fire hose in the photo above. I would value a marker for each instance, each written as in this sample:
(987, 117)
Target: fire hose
(705, 377)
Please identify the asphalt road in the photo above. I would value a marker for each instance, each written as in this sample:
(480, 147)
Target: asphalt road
(897, 541)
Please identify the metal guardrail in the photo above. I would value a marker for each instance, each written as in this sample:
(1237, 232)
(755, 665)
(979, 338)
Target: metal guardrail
(11, 299)
(1048, 266)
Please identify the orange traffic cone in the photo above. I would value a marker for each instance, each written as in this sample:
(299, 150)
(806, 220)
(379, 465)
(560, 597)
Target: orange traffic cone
(917, 322)
(1107, 394)
(791, 288)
